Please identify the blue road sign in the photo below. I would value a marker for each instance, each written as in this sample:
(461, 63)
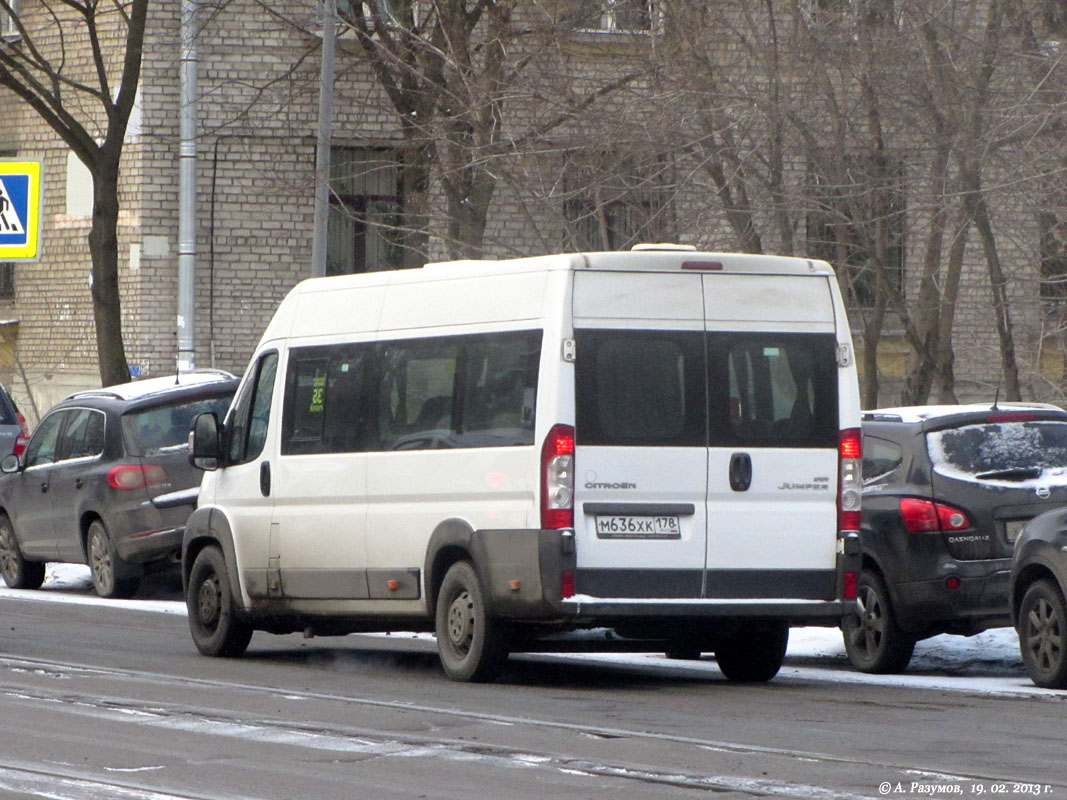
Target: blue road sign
(20, 210)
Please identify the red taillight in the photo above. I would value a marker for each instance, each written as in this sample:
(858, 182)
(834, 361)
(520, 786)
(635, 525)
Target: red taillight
(23, 438)
(850, 484)
(926, 516)
(557, 479)
(134, 476)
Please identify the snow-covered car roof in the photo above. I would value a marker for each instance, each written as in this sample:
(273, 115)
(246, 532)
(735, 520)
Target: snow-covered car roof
(135, 390)
(923, 413)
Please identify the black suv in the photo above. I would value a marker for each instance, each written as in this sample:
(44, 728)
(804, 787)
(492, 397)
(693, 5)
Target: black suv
(1038, 608)
(105, 480)
(947, 490)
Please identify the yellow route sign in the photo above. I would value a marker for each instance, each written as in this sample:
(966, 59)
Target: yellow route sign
(20, 210)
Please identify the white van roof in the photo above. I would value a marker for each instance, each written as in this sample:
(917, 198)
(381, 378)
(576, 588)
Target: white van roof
(648, 258)
(362, 303)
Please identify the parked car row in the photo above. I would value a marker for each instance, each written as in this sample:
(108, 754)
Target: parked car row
(964, 521)
(105, 480)
(951, 495)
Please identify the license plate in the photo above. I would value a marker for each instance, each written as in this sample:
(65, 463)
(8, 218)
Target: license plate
(1013, 527)
(638, 527)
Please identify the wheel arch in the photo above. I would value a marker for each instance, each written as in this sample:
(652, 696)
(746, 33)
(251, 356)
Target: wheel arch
(1026, 577)
(86, 519)
(451, 541)
(204, 528)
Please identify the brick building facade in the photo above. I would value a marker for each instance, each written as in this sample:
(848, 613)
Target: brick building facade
(258, 89)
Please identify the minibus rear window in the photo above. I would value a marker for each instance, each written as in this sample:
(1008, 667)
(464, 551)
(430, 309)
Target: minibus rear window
(641, 388)
(690, 389)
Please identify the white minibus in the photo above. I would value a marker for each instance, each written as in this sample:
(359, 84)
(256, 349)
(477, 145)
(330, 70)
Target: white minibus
(663, 442)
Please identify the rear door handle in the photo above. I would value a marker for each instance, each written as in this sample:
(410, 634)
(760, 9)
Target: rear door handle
(740, 472)
(264, 479)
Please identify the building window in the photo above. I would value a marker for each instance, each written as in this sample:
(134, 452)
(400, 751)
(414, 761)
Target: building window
(363, 234)
(850, 12)
(7, 23)
(1053, 250)
(857, 212)
(7, 281)
(618, 15)
(613, 202)
(1054, 15)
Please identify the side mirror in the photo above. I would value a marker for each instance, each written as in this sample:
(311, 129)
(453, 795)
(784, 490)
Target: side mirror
(204, 442)
(10, 463)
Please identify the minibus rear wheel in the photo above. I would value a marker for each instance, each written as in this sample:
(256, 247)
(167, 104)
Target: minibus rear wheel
(756, 655)
(472, 645)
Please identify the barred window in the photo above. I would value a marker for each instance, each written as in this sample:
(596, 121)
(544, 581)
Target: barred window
(363, 232)
(7, 23)
(7, 280)
(862, 201)
(613, 202)
(618, 15)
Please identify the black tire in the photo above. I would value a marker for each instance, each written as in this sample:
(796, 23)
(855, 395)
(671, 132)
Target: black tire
(873, 640)
(1042, 630)
(215, 622)
(471, 645)
(18, 573)
(755, 656)
(112, 577)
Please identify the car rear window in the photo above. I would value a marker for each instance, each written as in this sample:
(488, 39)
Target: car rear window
(1007, 450)
(165, 427)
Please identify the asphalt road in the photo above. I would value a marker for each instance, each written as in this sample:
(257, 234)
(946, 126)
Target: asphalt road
(114, 702)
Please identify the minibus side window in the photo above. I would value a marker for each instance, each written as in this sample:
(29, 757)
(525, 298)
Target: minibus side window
(459, 391)
(499, 390)
(325, 400)
(251, 413)
(415, 401)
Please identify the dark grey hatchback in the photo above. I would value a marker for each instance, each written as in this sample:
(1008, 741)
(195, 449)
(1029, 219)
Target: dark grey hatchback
(946, 491)
(105, 480)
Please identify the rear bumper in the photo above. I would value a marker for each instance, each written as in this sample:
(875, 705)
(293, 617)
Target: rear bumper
(982, 600)
(521, 577)
(151, 532)
(147, 546)
(796, 612)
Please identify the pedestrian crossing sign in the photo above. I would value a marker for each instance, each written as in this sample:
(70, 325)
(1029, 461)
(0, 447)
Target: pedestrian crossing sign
(20, 210)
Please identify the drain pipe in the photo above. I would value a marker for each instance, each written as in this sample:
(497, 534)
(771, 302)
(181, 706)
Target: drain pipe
(187, 189)
(323, 139)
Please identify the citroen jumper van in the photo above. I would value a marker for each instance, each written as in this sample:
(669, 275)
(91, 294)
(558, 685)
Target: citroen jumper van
(660, 442)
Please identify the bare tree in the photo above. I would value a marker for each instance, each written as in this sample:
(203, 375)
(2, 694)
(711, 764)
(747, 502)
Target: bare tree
(90, 111)
(453, 71)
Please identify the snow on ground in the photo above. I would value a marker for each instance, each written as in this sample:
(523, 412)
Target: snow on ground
(988, 663)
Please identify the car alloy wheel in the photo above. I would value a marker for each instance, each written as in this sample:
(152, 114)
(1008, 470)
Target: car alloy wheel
(1042, 629)
(873, 640)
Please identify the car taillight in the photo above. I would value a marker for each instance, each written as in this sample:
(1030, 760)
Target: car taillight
(135, 476)
(850, 487)
(23, 438)
(557, 479)
(926, 516)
